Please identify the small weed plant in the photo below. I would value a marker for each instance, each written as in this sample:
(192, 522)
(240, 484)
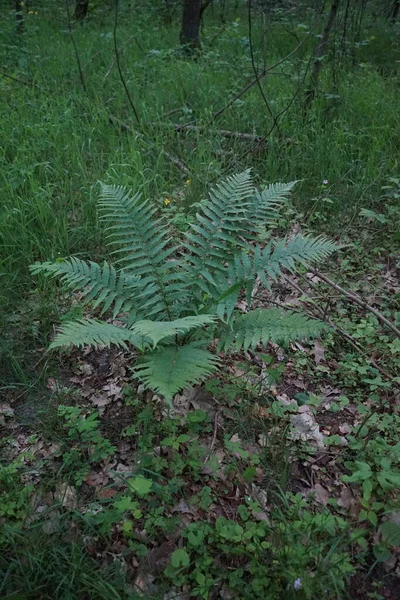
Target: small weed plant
(180, 296)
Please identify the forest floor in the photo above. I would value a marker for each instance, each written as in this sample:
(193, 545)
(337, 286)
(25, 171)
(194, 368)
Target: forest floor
(279, 477)
(256, 478)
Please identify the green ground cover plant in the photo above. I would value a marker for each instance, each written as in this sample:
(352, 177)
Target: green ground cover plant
(267, 466)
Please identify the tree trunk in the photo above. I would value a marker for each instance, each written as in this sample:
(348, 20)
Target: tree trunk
(190, 31)
(81, 10)
(396, 10)
(320, 51)
(19, 16)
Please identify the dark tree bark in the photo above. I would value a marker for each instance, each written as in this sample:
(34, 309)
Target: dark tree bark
(395, 11)
(191, 18)
(81, 10)
(320, 51)
(19, 16)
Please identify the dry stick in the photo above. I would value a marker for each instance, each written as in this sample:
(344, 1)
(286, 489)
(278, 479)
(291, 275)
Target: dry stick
(175, 160)
(253, 63)
(114, 59)
(282, 112)
(345, 334)
(245, 137)
(213, 439)
(78, 60)
(121, 76)
(355, 298)
(27, 83)
(253, 82)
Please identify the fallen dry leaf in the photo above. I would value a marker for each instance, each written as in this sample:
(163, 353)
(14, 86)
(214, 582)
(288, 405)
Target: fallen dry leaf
(319, 352)
(6, 412)
(144, 584)
(106, 493)
(66, 495)
(321, 494)
(306, 429)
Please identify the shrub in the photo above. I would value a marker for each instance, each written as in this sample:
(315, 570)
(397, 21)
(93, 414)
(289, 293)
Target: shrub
(178, 297)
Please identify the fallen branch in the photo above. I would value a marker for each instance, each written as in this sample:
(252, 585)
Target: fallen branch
(342, 332)
(357, 300)
(259, 76)
(245, 137)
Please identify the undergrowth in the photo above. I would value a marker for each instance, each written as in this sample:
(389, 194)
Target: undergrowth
(279, 477)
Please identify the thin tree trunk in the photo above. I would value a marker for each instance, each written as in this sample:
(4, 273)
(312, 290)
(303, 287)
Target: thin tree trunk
(81, 10)
(395, 12)
(190, 31)
(319, 53)
(19, 16)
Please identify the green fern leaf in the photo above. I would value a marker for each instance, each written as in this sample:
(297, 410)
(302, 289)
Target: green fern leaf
(88, 332)
(100, 284)
(143, 243)
(159, 330)
(287, 253)
(172, 368)
(220, 223)
(265, 205)
(261, 326)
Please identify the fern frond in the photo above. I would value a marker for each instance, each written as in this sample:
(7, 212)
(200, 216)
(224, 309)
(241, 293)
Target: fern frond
(100, 284)
(239, 275)
(287, 253)
(264, 206)
(159, 330)
(173, 368)
(88, 332)
(220, 223)
(143, 244)
(261, 326)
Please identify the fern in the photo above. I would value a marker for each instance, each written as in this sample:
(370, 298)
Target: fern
(160, 330)
(143, 243)
(285, 254)
(264, 206)
(179, 299)
(268, 325)
(219, 226)
(99, 284)
(88, 332)
(172, 368)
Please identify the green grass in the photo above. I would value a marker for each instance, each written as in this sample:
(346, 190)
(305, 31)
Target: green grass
(50, 567)
(58, 141)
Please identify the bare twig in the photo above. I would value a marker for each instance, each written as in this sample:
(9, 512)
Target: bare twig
(245, 137)
(27, 83)
(78, 60)
(342, 332)
(121, 76)
(253, 63)
(213, 439)
(260, 75)
(355, 298)
(115, 57)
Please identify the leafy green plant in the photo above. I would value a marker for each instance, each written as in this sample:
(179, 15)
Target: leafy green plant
(376, 466)
(88, 444)
(14, 493)
(179, 298)
(295, 554)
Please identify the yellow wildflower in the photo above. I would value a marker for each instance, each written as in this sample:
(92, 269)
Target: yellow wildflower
(167, 201)
(187, 181)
